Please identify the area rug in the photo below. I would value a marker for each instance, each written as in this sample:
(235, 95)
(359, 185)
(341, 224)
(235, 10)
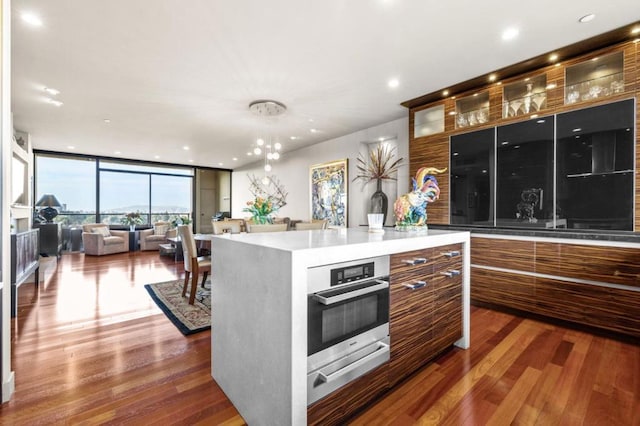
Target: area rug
(188, 318)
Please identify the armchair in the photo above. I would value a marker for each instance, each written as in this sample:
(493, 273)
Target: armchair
(150, 239)
(98, 239)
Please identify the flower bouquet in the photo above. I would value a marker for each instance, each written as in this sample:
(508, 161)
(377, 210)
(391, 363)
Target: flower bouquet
(132, 219)
(261, 210)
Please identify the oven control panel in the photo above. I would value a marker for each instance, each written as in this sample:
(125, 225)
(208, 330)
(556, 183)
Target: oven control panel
(324, 277)
(347, 274)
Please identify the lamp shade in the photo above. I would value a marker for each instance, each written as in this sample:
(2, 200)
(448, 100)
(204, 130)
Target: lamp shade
(48, 200)
(47, 204)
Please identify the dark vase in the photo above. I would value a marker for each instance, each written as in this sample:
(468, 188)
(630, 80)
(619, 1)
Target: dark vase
(379, 201)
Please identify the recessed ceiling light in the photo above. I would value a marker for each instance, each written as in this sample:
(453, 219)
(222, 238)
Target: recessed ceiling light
(235, 158)
(293, 138)
(455, 154)
(52, 91)
(186, 148)
(499, 83)
(107, 121)
(534, 115)
(577, 129)
(54, 102)
(277, 145)
(587, 18)
(220, 164)
(249, 154)
(117, 152)
(191, 161)
(635, 31)
(504, 143)
(156, 157)
(553, 57)
(313, 130)
(71, 147)
(492, 77)
(540, 121)
(257, 151)
(260, 141)
(510, 33)
(393, 83)
(31, 19)
(558, 64)
(445, 93)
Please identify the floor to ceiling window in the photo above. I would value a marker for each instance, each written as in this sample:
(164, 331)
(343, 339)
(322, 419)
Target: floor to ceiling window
(95, 190)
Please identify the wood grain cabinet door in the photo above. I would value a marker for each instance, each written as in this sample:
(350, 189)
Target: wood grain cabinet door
(410, 313)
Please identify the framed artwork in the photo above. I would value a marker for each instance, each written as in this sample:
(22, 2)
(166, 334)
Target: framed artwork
(329, 192)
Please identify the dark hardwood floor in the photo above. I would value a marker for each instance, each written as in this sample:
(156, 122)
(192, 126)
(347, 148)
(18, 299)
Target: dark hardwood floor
(91, 347)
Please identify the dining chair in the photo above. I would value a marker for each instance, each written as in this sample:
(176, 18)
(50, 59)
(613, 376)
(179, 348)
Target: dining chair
(253, 228)
(222, 227)
(193, 264)
(303, 226)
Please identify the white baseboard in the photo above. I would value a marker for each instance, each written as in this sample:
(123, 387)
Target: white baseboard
(8, 387)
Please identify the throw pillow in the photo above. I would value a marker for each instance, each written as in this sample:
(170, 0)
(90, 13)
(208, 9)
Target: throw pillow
(102, 230)
(160, 229)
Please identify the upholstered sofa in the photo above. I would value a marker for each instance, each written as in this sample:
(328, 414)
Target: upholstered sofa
(150, 239)
(98, 239)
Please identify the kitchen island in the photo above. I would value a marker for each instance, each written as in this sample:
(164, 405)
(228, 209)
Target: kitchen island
(259, 309)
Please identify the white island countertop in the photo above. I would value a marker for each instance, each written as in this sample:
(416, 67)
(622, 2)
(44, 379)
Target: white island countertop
(322, 247)
(259, 302)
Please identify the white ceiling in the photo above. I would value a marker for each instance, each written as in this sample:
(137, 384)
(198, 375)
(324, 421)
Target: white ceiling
(175, 73)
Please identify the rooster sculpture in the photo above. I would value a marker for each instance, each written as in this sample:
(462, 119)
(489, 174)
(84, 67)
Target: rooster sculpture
(411, 208)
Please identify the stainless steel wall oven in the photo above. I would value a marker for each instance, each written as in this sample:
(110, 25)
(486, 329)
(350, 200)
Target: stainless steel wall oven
(348, 323)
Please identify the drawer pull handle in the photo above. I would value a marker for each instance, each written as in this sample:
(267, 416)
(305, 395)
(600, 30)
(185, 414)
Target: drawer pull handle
(416, 261)
(450, 273)
(452, 253)
(416, 285)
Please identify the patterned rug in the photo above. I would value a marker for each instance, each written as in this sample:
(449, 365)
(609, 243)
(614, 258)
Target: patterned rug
(188, 318)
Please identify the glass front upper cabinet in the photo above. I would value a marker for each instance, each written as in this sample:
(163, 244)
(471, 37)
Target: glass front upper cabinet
(472, 110)
(595, 78)
(595, 151)
(524, 187)
(472, 179)
(524, 97)
(428, 121)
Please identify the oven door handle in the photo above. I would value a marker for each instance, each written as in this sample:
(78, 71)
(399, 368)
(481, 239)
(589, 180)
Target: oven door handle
(381, 284)
(381, 350)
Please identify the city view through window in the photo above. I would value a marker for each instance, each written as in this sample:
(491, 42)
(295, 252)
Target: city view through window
(86, 186)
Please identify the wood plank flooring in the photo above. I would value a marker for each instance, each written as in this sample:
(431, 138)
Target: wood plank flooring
(91, 347)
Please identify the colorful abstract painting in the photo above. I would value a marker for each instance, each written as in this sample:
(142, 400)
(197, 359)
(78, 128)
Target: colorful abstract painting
(329, 192)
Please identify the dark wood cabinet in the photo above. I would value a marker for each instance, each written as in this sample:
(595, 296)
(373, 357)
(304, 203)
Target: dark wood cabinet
(50, 238)
(589, 284)
(425, 307)
(25, 260)
(425, 317)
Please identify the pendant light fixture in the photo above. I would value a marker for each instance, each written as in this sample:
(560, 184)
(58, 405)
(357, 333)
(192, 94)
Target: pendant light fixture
(268, 143)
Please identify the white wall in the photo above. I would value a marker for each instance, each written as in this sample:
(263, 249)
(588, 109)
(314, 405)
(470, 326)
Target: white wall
(8, 383)
(293, 172)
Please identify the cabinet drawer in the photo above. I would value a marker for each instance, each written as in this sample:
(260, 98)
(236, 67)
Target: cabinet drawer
(346, 401)
(503, 253)
(445, 257)
(411, 262)
(616, 265)
(604, 307)
(503, 288)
